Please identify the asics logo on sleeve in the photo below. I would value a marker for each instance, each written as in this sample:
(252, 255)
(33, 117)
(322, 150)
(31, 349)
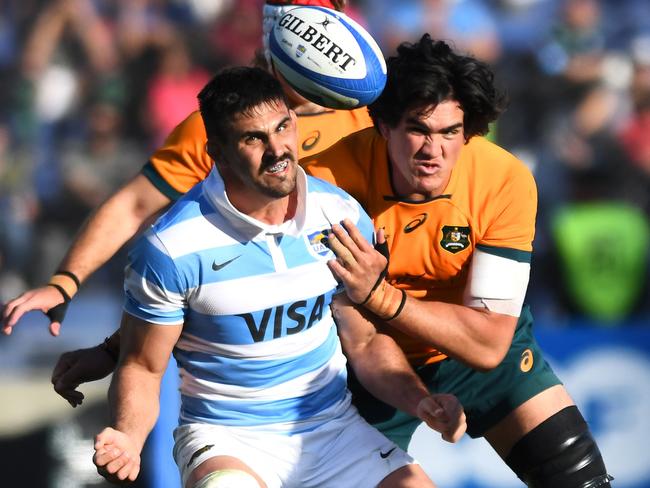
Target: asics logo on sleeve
(217, 267)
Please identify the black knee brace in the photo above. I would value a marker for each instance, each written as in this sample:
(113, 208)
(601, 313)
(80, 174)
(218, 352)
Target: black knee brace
(559, 453)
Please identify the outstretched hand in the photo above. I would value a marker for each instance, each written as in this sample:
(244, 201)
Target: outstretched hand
(358, 264)
(443, 413)
(46, 299)
(77, 367)
(116, 456)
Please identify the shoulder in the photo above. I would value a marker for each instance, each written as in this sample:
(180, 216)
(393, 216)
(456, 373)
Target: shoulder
(189, 206)
(192, 125)
(316, 185)
(492, 163)
(350, 152)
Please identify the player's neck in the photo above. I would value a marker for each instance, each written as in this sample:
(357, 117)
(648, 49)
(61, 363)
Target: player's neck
(275, 211)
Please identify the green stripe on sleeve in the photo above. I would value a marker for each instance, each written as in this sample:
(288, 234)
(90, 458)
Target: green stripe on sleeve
(504, 252)
(161, 185)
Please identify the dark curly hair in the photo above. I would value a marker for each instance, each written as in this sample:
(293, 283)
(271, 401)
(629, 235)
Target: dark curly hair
(429, 72)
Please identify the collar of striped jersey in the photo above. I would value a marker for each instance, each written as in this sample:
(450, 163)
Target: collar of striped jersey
(215, 191)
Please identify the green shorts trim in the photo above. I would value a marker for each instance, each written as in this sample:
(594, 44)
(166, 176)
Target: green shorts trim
(487, 397)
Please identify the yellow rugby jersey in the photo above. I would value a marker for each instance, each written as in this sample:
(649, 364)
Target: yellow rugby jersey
(182, 161)
(489, 203)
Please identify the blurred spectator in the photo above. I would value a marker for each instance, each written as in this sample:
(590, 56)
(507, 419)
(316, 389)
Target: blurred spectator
(57, 74)
(237, 33)
(18, 210)
(635, 133)
(173, 89)
(468, 24)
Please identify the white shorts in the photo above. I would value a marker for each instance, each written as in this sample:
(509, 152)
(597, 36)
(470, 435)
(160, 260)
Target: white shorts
(345, 452)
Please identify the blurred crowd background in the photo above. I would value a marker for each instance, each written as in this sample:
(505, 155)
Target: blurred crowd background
(88, 88)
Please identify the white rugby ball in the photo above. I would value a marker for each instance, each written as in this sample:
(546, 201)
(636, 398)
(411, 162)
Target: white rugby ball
(327, 57)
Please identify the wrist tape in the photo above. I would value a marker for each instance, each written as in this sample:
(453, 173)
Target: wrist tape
(385, 301)
(66, 282)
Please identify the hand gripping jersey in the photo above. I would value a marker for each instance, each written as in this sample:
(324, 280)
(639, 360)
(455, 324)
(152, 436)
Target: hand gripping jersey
(486, 214)
(182, 161)
(259, 346)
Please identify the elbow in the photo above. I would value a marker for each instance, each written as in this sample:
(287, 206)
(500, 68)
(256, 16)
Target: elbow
(489, 360)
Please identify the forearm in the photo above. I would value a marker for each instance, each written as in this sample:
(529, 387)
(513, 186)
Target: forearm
(378, 362)
(383, 370)
(111, 225)
(134, 402)
(477, 337)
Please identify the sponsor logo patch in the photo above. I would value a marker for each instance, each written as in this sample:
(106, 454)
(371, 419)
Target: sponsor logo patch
(217, 266)
(417, 221)
(454, 238)
(384, 455)
(526, 363)
(199, 452)
(315, 239)
(300, 50)
(311, 140)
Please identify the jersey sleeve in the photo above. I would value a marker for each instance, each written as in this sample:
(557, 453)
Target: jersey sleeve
(182, 161)
(153, 287)
(511, 226)
(500, 268)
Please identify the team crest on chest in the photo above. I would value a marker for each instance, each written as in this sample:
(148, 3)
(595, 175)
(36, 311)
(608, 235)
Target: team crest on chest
(455, 238)
(315, 241)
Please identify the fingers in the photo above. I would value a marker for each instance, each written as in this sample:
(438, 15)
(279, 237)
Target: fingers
(65, 362)
(43, 299)
(55, 328)
(381, 236)
(117, 463)
(114, 458)
(12, 312)
(63, 378)
(352, 239)
(343, 254)
(444, 413)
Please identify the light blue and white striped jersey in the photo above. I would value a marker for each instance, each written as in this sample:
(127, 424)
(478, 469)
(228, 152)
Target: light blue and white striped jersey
(259, 346)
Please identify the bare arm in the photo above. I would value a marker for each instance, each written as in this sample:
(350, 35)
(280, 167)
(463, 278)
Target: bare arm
(477, 337)
(107, 229)
(112, 224)
(383, 370)
(134, 396)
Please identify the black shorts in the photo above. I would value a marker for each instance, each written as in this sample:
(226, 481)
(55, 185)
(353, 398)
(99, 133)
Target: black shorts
(486, 397)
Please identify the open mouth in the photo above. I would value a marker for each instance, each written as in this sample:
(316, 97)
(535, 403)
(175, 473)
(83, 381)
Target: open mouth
(278, 167)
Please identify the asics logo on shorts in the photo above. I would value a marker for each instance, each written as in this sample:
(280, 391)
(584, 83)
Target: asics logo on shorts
(526, 363)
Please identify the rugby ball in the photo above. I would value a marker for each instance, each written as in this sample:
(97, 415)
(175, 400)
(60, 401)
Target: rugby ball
(327, 57)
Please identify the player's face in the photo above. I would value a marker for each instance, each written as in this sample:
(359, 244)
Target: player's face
(260, 160)
(423, 148)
